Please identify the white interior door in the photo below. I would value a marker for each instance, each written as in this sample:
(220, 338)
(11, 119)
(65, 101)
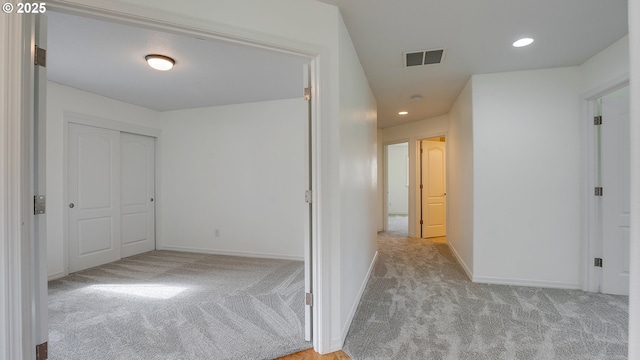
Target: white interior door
(94, 196)
(137, 193)
(434, 204)
(615, 150)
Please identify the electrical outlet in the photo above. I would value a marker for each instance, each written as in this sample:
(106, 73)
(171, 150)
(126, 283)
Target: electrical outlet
(217, 232)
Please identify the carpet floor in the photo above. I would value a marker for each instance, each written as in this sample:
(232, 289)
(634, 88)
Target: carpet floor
(173, 305)
(419, 304)
(398, 225)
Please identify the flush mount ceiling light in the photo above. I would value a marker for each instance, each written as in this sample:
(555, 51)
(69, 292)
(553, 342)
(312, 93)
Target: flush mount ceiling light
(160, 62)
(403, 113)
(523, 42)
(416, 97)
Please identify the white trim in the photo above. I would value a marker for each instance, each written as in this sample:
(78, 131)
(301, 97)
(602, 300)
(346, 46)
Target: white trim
(354, 307)
(460, 261)
(385, 181)
(156, 19)
(231, 253)
(91, 120)
(54, 276)
(527, 282)
(17, 268)
(591, 212)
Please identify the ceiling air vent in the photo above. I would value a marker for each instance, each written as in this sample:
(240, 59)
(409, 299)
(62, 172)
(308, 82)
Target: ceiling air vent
(426, 57)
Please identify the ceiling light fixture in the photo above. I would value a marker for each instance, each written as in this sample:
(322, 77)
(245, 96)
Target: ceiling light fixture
(416, 97)
(160, 62)
(403, 113)
(523, 42)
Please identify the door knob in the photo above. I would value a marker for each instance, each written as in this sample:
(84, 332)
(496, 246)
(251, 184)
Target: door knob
(71, 205)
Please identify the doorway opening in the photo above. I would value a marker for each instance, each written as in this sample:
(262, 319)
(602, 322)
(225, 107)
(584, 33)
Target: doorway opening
(397, 183)
(432, 189)
(235, 176)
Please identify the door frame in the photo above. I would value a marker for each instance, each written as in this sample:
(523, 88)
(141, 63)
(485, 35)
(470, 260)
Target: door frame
(414, 193)
(109, 124)
(419, 204)
(591, 210)
(176, 23)
(385, 180)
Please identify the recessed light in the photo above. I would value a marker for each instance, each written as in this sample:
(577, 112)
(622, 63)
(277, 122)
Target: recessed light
(403, 113)
(160, 62)
(523, 42)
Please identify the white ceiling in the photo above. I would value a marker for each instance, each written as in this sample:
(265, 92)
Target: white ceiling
(106, 58)
(477, 37)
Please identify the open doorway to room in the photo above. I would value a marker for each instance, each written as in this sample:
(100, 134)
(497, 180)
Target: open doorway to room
(210, 279)
(432, 189)
(397, 184)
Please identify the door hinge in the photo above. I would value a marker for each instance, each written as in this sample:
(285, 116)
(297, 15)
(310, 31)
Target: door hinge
(308, 299)
(597, 262)
(39, 204)
(598, 191)
(307, 93)
(42, 351)
(597, 120)
(421, 187)
(421, 222)
(308, 196)
(40, 58)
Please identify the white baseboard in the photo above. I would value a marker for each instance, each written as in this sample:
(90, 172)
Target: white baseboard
(336, 345)
(461, 262)
(231, 253)
(527, 282)
(55, 276)
(354, 307)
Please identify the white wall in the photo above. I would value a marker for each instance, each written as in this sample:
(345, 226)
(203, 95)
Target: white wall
(358, 181)
(460, 201)
(60, 99)
(398, 177)
(238, 169)
(634, 295)
(609, 65)
(527, 203)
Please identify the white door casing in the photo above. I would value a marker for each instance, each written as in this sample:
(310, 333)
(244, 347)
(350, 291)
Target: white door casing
(93, 196)
(615, 150)
(434, 203)
(137, 193)
(308, 226)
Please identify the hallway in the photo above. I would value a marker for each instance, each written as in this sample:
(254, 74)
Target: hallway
(419, 304)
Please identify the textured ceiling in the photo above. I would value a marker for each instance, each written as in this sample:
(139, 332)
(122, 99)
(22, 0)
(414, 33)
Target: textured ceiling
(106, 58)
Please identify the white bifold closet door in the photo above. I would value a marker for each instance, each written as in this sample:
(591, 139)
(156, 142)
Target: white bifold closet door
(110, 193)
